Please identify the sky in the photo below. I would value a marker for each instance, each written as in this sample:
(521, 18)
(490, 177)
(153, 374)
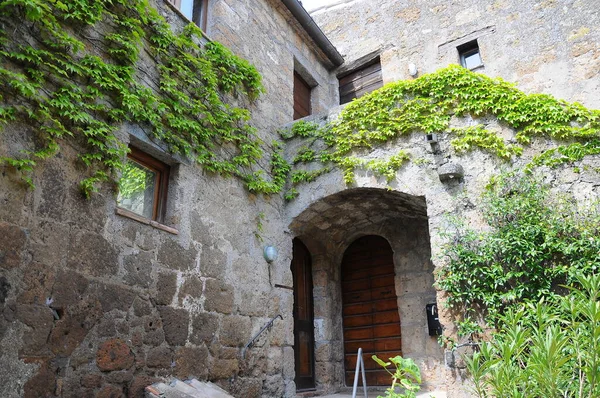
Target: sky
(312, 4)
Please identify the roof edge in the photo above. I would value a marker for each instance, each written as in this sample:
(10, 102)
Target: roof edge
(314, 31)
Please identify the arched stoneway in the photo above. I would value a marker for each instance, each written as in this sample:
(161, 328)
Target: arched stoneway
(327, 227)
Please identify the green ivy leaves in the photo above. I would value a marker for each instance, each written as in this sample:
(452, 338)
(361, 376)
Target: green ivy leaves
(427, 105)
(80, 77)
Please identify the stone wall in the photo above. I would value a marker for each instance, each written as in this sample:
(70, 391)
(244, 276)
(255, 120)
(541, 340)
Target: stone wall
(96, 304)
(544, 46)
(411, 212)
(328, 226)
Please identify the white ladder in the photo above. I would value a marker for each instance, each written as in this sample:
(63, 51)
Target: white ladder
(360, 364)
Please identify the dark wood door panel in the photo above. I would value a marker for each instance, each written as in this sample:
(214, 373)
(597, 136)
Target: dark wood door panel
(372, 319)
(370, 364)
(367, 273)
(373, 346)
(374, 378)
(303, 317)
(372, 331)
(370, 307)
(302, 102)
(369, 282)
(374, 68)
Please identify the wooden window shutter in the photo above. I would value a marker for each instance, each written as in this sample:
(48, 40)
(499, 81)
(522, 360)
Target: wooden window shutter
(301, 97)
(360, 81)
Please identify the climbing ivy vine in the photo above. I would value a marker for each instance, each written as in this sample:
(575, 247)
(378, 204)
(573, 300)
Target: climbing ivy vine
(427, 105)
(79, 69)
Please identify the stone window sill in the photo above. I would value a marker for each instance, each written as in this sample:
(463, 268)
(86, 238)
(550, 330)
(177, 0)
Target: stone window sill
(131, 215)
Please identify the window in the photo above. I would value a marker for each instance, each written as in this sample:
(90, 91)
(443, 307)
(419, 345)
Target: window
(194, 10)
(360, 81)
(469, 55)
(143, 186)
(302, 91)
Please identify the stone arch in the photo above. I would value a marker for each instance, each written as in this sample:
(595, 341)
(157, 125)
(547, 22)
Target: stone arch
(327, 227)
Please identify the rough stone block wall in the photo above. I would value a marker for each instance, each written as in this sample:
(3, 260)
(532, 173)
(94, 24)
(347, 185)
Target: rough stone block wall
(96, 304)
(328, 216)
(544, 46)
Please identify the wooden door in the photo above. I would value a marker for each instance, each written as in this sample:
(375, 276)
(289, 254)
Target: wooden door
(370, 308)
(303, 317)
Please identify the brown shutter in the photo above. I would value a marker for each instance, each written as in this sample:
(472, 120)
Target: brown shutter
(360, 82)
(301, 97)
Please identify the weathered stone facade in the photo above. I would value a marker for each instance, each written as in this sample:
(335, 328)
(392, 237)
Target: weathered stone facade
(545, 47)
(95, 304)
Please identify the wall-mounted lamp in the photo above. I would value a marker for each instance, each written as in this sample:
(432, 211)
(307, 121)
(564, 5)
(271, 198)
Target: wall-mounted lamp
(412, 70)
(270, 253)
(432, 138)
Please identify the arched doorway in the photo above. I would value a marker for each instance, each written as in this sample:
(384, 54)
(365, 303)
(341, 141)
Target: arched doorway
(369, 307)
(329, 227)
(304, 339)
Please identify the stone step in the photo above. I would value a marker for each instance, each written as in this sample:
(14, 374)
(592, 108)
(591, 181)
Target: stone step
(189, 389)
(209, 389)
(161, 390)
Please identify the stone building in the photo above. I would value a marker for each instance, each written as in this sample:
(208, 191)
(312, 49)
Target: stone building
(97, 302)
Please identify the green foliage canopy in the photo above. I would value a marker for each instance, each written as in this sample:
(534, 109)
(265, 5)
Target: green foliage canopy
(428, 103)
(536, 243)
(73, 69)
(544, 349)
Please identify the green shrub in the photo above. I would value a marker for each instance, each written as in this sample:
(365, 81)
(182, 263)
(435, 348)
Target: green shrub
(536, 243)
(544, 350)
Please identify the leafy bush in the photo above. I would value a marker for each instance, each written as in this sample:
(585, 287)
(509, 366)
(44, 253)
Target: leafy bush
(536, 243)
(544, 350)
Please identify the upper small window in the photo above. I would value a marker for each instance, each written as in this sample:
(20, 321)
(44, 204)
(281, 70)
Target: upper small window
(302, 90)
(194, 10)
(360, 81)
(143, 186)
(469, 55)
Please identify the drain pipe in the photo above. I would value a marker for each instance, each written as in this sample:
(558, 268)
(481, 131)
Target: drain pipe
(314, 31)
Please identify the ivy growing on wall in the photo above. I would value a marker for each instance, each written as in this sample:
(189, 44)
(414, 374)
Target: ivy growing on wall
(79, 69)
(427, 105)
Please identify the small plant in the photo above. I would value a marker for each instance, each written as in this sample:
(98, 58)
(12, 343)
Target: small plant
(407, 375)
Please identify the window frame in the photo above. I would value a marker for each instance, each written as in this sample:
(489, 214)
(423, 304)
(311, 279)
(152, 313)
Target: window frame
(199, 12)
(467, 49)
(161, 186)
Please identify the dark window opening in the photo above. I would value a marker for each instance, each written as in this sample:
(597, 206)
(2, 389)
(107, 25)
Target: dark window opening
(194, 10)
(360, 81)
(302, 91)
(143, 186)
(469, 54)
